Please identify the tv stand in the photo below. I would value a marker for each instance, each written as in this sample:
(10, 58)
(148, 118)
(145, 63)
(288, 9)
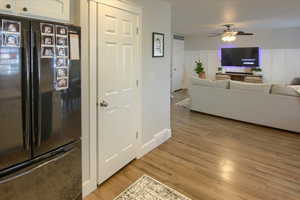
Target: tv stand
(247, 73)
(244, 77)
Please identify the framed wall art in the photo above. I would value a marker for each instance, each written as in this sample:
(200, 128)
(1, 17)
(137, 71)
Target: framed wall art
(158, 45)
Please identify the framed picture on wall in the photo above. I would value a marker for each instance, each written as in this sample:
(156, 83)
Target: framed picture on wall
(158, 45)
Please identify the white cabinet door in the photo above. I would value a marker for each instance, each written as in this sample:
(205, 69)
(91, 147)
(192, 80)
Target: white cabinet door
(52, 9)
(7, 6)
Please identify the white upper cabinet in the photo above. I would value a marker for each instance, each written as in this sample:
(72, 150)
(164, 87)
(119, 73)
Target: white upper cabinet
(55, 9)
(7, 6)
(45, 9)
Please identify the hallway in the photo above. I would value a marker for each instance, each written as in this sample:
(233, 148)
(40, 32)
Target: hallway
(214, 158)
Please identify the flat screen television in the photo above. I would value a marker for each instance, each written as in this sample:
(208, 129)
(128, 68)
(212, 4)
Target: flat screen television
(240, 57)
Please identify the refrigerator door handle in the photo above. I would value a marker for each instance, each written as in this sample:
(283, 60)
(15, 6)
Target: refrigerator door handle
(37, 97)
(27, 99)
(39, 128)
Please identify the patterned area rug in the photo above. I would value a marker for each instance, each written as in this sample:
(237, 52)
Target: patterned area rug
(146, 188)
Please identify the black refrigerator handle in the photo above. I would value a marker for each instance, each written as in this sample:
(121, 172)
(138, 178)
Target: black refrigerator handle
(26, 93)
(37, 105)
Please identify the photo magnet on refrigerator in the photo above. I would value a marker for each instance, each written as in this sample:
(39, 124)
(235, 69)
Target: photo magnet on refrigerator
(11, 33)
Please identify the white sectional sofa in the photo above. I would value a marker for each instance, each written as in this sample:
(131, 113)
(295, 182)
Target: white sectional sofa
(263, 104)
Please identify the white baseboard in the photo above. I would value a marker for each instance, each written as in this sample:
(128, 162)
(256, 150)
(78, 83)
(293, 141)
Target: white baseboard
(88, 187)
(157, 140)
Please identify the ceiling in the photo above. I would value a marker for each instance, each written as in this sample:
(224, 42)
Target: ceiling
(193, 17)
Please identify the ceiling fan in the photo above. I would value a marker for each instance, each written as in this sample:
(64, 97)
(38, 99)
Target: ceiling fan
(229, 34)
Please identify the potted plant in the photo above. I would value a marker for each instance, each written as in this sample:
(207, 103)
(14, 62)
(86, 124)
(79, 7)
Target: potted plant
(221, 70)
(200, 70)
(257, 71)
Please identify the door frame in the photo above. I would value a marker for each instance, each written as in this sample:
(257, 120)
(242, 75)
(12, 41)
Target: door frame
(173, 64)
(94, 98)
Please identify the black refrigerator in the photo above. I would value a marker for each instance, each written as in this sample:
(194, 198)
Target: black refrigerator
(40, 110)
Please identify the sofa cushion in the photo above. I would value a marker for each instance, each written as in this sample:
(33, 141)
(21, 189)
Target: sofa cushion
(284, 90)
(254, 87)
(211, 83)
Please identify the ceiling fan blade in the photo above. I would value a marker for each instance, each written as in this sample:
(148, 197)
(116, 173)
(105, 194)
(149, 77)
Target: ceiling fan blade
(230, 32)
(214, 34)
(244, 33)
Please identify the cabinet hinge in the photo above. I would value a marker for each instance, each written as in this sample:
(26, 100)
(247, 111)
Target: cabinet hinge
(137, 83)
(137, 31)
(137, 135)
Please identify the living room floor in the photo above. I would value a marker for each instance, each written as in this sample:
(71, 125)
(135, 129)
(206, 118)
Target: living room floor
(212, 158)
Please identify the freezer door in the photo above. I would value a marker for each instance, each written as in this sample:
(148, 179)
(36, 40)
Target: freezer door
(56, 108)
(56, 178)
(14, 92)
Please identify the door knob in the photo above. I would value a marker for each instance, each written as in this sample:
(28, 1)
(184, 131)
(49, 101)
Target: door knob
(8, 6)
(104, 104)
(25, 9)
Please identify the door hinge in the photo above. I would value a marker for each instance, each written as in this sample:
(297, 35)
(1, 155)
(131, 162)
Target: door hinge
(98, 101)
(137, 135)
(137, 83)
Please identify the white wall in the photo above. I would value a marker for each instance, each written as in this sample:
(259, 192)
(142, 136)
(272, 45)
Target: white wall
(278, 65)
(280, 52)
(155, 82)
(88, 171)
(79, 16)
(155, 71)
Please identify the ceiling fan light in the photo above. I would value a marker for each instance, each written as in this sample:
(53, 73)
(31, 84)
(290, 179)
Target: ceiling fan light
(230, 34)
(232, 38)
(224, 38)
(229, 38)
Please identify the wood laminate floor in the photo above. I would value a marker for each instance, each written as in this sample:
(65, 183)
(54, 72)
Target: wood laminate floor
(211, 158)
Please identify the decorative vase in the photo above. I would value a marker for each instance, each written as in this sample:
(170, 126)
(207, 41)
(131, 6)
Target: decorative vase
(202, 75)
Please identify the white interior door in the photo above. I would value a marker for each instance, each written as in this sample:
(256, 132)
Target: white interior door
(178, 64)
(118, 92)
